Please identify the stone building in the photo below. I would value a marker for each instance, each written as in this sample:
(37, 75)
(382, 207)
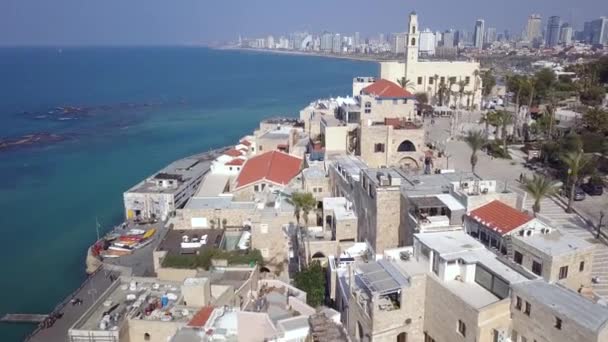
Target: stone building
(385, 99)
(545, 312)
(393, 142)
(431, 76)
(555, 256)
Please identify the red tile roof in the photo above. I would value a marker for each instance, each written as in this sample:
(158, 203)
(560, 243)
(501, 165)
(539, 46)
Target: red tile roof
(273, 166)
(233, 153)
(386, 89)
(201, 317)
(235, 161)
(500, 217)
(245, 142)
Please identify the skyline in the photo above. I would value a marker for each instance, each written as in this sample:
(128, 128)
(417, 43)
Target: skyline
(155, 22)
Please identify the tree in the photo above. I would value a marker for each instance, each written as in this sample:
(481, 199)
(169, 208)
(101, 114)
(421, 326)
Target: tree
(539, 187)
(435, 80)
(475, 141)
(503, 119)
(422, 98)
(469, 94)
(451, 82)
(596, 120)
(488, 81)
(303, 203)
(593, 96)
(577, 164)
(443, 89)
(461, 87)
(544, 82)
(475, 88)
(405, 83)
(312, 281)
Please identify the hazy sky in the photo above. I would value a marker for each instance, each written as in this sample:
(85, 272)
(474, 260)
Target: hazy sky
(94, 22)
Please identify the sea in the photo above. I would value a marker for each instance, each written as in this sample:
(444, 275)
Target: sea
(116, 115)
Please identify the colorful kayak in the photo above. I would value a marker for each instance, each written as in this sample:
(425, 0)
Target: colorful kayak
(149, 233)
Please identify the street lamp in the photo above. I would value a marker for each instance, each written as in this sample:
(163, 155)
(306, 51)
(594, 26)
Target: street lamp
(599, 225)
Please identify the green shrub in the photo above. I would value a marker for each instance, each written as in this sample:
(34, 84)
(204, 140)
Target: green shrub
(496, 150)
(312, 281)
(205, 256)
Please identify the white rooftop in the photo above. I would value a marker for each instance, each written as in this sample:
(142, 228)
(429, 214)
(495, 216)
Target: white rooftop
(340, 207)
(555, 243)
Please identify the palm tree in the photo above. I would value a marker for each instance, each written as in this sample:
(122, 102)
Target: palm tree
(503, 119)
(475, 85)
(487, 120)
(577, 164)
(539, 187)
(435, 80)
(475, 140)
(303, 203)
(443, 89)
(451, 82)
(461, 85)
(469, 94)
(406, 84)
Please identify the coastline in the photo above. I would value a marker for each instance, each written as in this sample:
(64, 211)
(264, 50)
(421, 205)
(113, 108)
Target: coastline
(302, 53)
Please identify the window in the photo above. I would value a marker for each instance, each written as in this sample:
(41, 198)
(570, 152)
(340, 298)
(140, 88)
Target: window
(518, 303)
(368, 107)
(431, 80)
(413, 41)
(467, 80)
(537, 268)
(260, 148)
(230, 168)
(256, 188)
(146, 337)
(563, 272)
(442, 80)
(581, 266)
(558, 323)
(419, 80)
(264, 228)
(518, 257)
(413, 29)
(264, 252)
(462, 328)
(378, 148)
(528, 309)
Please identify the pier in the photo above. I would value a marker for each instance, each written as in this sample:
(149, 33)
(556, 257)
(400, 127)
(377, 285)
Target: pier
(23, 318)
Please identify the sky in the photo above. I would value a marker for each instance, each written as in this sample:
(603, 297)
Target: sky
(161, 22)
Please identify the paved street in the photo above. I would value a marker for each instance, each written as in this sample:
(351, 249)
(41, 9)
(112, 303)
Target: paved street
(552, 210)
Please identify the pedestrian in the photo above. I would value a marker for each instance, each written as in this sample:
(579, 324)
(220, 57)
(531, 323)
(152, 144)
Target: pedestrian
(521, 177)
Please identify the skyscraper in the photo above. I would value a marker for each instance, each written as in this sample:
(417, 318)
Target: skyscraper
(553, 27)
(565, 34)
(597, 31)
(327, 40)
(427, 43)
(448, 38)
(479, 31)
(491, 35)
(357, 39)
(398, 43)
(336, 44)
(534, 33)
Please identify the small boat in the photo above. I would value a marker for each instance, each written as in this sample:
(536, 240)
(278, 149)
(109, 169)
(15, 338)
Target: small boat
(134, 238)
(143, 244)
(114, 253)
(135, 231)
(120, 248)
(149, 233)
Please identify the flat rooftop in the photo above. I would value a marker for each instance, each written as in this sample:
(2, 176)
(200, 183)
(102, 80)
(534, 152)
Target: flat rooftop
(180, 171)
(136, 298)
(381, 277)
(313, 172)
(393, 177)
(457, 245)
(555, 243)
(419, 185)
(218, 202)
(212, 185)
(566, 303)
(172, 243)
(339, 205)
(437, 201)
(348, 165)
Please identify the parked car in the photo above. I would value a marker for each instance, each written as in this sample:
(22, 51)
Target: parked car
(593, 189)
(579, 194)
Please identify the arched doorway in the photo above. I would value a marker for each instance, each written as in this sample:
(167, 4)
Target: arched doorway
(264, 269)
(406, 146)
(318, 255)
(408, 164)
(402, 337)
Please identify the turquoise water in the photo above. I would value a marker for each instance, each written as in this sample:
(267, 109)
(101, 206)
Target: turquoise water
(159, 104)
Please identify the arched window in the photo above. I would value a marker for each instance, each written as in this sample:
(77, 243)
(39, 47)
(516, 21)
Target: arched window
(146, 337)
(406, 146)
(413, 29)
(413, 41)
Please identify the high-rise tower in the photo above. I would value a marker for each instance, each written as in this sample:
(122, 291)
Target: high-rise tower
(411, 49)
